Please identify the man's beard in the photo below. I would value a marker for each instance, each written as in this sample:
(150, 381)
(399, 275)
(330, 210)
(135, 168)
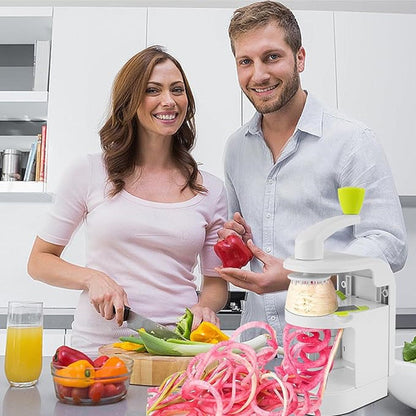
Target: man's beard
(286, 95)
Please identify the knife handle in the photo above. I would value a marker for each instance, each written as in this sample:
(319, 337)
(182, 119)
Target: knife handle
(125, 314)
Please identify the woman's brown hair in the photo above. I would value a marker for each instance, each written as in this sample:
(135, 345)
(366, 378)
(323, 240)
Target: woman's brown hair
(118, 136)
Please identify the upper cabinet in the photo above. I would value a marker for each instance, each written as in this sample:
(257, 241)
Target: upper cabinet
(198, 38)
(25, 36)
(89, 47)
(376, 83)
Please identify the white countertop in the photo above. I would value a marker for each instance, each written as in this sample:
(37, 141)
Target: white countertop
(41, 401)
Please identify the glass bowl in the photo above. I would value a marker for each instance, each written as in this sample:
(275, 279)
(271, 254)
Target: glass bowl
(89, 388)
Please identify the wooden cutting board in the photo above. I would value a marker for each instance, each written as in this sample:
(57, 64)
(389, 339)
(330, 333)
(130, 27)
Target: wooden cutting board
(148, 370)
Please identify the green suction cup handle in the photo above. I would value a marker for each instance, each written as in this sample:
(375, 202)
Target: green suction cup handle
(351, 199)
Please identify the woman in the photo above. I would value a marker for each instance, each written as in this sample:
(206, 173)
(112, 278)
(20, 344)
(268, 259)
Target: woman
(148, 211)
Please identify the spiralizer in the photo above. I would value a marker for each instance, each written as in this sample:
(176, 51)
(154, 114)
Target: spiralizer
(363, 306)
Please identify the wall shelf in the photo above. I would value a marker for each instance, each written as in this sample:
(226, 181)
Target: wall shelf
(21, 25)
(21, 186)
(23, 105)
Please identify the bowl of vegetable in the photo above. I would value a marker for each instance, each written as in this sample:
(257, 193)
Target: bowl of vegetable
(79, 380)
(403, 378)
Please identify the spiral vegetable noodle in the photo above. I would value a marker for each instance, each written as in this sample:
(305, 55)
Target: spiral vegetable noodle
(231, 377)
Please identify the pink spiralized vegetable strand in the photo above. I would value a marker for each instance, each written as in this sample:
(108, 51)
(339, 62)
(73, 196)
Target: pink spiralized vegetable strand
(219, 353)
(330, 363)
(195, 386)
(241, 382)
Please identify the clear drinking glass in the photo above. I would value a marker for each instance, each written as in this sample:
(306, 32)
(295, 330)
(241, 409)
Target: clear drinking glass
(23, 360)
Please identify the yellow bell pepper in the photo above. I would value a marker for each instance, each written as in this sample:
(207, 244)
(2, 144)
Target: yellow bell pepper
(129, 346)
(208, 332)
(77, 374)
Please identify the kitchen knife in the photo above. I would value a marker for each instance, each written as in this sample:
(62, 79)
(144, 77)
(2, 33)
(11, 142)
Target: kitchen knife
(136, 322)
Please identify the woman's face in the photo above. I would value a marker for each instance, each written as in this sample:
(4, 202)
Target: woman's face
(163, 109)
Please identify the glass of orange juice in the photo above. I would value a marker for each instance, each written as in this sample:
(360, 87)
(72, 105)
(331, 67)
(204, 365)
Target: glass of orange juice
(23, 359)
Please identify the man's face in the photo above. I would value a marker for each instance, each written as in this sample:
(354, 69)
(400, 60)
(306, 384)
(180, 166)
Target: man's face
(268, 71)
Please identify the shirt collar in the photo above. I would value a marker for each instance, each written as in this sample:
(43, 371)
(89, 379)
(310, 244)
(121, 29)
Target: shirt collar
(309, 122)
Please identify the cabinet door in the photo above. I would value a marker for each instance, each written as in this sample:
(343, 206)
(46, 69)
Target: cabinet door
(318, 78)
(376, 83)
(198, 39)
(89, 46)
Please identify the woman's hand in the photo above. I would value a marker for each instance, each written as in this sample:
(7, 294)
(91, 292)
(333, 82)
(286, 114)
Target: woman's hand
(203, 313)
(106, 296)
(213, 297)
(46, 265)
(238, 226)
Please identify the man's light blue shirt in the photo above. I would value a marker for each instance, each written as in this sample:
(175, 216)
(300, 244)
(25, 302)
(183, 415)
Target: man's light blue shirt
(279, 199)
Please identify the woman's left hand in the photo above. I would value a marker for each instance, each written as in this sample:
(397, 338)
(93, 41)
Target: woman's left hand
(203, 313)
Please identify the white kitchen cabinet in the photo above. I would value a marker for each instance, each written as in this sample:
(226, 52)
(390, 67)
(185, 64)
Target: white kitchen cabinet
(198, 38)
(89, 46)
(376, 83)
(317, 29)
(52, 339)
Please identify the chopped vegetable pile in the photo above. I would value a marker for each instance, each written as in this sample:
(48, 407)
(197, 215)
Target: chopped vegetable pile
(208, 332)
(231, 377)
(184, 325)
(197, 341)
(409, 351)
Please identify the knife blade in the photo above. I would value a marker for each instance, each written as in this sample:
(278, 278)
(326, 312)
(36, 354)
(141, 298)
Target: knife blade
(136, 321)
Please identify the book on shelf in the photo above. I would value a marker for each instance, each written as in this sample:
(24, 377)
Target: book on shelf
(37, 168)
(41, 65)
(42, 167)
(31, 163)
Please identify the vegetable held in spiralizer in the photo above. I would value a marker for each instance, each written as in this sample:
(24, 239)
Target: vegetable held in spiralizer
(65, 355)
(208, 332)
(233, 252)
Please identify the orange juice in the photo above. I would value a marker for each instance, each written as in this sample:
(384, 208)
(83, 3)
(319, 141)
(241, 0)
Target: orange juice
(23, 361)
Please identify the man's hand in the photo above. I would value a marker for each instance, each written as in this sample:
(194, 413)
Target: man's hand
(272, 279)
(238, 226)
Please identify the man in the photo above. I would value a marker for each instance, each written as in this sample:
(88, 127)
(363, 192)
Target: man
(283, 168)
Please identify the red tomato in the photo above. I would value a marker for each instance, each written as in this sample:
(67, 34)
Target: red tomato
(79, 393)
(95, 392)
(113, 389)
(64, 391)
(98, 362)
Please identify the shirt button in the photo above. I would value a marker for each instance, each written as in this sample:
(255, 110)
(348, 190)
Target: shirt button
(268, 249)
(268, 215)
(270, 181)
(272, 318)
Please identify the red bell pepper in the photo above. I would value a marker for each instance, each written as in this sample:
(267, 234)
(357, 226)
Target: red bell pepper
(233, 252)
(99, 361)
(65, 355)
